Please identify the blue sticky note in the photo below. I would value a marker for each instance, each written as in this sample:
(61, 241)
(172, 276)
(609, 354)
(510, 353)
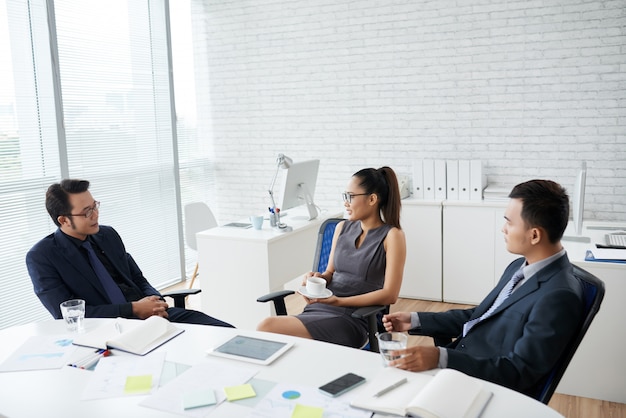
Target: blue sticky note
(199, 398)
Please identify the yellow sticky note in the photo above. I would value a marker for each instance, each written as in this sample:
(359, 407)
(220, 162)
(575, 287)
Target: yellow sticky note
(303, 411)
(136, 385)
(234, 393)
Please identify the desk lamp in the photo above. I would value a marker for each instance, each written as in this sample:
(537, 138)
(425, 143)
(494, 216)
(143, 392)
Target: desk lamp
(282, 161)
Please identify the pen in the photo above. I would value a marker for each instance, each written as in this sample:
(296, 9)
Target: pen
(90, 360)
(95, 359)
(390, 388)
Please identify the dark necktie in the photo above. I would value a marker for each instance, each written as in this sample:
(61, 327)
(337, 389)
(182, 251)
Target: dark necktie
(111, 288)
(505, 293)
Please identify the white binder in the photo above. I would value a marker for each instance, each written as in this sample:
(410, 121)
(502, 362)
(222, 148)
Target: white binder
(429, 179)
(477, 180)
(418, 179)
(452, 179)
(464, 180)
(440, 180)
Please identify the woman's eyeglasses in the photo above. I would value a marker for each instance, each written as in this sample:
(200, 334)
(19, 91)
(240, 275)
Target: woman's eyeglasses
(347, 197)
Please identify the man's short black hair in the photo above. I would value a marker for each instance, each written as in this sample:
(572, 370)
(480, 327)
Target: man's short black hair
(57, 197)
(545, 205)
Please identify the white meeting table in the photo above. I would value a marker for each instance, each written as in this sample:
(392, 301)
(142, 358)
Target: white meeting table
(54, 393)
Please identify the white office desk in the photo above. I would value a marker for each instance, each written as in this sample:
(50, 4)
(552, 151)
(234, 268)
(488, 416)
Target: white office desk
(239, 265)
(53, 393)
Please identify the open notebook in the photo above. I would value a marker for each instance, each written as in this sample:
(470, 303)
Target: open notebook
(448, 394)
(133, 336)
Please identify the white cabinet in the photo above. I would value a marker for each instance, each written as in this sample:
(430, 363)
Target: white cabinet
(239, 265)
(421, 223)
(474, 252)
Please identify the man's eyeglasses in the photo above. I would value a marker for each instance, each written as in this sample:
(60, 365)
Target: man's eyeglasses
(89, 211)
(347, 197)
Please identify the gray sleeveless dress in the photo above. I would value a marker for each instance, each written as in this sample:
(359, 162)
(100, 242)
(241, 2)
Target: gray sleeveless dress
(357, 271)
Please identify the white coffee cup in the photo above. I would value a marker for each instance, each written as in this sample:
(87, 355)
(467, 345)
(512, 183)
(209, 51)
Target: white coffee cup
(315, 286)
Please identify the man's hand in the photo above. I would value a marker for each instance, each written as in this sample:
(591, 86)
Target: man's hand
(416, 359)
(148, 306)
(398, 321)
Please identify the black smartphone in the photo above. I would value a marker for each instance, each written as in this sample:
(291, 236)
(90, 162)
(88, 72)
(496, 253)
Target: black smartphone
(342, 384)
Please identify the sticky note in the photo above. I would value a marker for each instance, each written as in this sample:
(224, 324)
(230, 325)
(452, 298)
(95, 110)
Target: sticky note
(136, 385)
(199, 398)
(303, 411)
(234, 393)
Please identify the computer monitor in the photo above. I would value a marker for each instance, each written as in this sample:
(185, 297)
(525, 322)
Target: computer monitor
(298, 187)
(577, 207)
(578, 200)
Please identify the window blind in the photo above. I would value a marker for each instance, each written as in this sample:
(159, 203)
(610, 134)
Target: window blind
(114, 96)
(28, 152)
(115, 91)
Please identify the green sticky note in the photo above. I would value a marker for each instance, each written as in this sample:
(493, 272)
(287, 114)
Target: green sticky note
(199, 398)
(234, 393)
(136, 385)
(303, 411)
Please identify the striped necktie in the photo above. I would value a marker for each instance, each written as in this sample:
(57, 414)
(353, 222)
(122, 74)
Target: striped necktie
(111, 288)
(504, 293)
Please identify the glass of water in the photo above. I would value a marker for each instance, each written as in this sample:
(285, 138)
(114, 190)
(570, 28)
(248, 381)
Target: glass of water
(73, 312)
(391, 341)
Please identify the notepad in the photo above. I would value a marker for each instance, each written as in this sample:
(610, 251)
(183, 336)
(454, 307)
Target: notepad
(234, 393)
(137, 385)
(304, 411)
(199, 398)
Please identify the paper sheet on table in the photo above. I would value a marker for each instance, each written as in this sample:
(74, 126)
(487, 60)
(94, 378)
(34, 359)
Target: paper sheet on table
(285, 399)
(39, 353)
(111, 375)
(209, 374)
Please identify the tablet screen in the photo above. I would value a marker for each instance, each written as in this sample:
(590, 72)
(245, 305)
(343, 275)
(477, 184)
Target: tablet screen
(253, 349)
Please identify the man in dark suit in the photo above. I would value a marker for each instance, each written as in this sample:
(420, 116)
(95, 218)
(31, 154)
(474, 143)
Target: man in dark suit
(84, 260)
(517, 333)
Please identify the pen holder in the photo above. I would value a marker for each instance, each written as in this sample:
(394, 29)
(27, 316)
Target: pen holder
(273, 219)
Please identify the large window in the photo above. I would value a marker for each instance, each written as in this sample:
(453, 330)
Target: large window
(89, 96)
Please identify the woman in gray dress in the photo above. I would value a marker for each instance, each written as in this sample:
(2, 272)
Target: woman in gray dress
(365, 265)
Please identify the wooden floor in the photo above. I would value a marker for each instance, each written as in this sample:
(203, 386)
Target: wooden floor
(568, 406)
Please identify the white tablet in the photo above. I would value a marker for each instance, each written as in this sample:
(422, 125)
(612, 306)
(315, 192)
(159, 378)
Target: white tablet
(254, 350)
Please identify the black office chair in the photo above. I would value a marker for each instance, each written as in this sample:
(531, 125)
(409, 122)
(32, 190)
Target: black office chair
(373, 314)
(179, 296)
(593, 293)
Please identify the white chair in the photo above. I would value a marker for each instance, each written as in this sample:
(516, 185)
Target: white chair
(198, 217)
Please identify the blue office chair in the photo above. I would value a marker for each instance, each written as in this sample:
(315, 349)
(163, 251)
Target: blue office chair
(593, 293)
(373, 314)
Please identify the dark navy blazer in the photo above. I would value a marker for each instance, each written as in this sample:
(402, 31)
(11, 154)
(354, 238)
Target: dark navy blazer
(60, 272)
(524, 337)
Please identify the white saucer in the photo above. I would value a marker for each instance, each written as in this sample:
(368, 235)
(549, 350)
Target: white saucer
(327, 293)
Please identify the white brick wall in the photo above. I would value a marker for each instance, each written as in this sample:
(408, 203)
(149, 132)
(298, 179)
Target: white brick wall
(530, 87)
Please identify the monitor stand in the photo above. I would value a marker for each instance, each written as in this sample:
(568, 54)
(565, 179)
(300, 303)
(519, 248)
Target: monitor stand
(575, 238)
(310, 205)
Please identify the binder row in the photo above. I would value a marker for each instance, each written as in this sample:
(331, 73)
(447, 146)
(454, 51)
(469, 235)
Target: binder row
(448, 179)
